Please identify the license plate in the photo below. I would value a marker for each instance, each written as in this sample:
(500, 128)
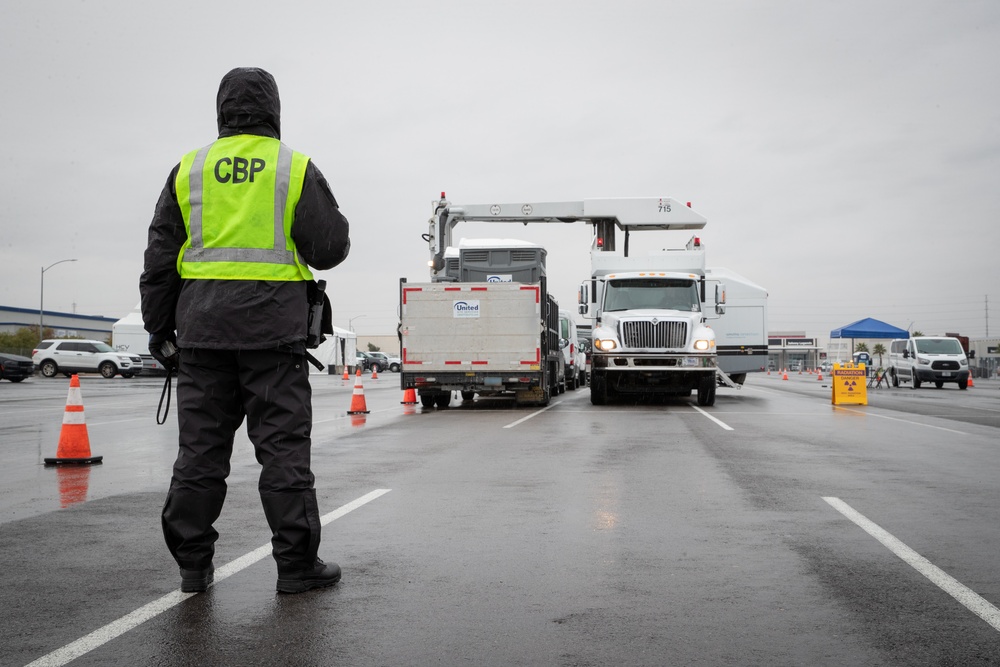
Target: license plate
(946, 375)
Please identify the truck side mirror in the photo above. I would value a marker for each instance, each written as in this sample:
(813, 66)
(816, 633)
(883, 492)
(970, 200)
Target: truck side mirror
(583, 298)
(906, 354)
(720, 299)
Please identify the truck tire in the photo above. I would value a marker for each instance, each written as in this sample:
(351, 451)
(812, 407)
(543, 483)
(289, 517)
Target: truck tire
(598, 390)
(706, 391)
(427, 400)
(468, 395)
(443, 400)
(914, 380)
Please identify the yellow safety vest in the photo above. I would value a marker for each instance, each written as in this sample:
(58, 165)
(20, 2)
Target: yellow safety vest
(238, 198)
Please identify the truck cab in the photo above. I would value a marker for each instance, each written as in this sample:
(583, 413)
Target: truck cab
(650, 335)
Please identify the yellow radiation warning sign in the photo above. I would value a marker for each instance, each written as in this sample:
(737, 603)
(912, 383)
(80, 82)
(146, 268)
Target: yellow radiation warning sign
(849, 384)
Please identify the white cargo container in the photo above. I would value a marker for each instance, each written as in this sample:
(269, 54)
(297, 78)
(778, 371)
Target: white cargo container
(479, 338)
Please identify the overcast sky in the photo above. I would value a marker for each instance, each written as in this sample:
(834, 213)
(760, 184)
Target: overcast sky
(846, 154)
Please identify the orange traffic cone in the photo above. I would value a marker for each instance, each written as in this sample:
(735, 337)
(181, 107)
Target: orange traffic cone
(784, 375)
(374, 372)
(358, 405)
(409, 397)
(819, 375)
(74, 443)
(971, 384)
(346, 376)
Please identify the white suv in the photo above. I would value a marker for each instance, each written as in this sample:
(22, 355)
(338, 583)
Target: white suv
(55, 356)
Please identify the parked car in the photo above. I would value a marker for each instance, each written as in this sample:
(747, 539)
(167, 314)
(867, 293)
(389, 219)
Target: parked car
(387, 362)
(365, 361)
(15, 368)
(68, 356)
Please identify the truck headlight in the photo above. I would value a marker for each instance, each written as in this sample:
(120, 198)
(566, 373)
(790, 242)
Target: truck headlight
(605, 344)
(923, 362)
(702, 345)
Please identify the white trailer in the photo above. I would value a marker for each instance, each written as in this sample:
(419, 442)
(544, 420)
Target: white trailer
(129, 335)
(478, 338)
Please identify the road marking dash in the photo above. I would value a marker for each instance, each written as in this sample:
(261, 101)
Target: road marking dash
(966, 596)
(717, 421)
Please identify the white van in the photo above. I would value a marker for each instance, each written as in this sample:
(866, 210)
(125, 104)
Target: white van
(936, 359)
(573, 357)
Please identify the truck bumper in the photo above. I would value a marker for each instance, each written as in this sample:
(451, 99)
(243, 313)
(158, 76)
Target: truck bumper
(675, 374)
(483, 383)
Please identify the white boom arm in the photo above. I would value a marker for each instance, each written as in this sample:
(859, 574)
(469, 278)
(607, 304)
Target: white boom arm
(627, 214)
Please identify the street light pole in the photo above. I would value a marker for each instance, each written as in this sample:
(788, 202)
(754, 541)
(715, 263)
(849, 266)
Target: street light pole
(350, 322)
(41, 298)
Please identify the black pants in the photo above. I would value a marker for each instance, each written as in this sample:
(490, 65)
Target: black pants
(216, 389)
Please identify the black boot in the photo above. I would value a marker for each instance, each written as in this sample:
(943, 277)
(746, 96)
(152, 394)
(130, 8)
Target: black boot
(320, 575)
(197, 581)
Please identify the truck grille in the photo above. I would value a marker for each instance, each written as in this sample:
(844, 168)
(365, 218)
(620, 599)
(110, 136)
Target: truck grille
(649, 335)
(944, 365)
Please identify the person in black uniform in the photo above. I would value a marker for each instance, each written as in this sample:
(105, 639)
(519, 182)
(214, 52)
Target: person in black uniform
(225, 280)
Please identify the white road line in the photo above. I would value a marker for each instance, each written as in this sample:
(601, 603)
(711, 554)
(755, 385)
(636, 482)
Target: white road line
(117, 628)
(895, 419)
(717, 421)
(533, 414)
(971, 600)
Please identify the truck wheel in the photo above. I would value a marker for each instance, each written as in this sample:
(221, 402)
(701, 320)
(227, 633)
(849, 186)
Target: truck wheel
(706, 391)
(963, 384)
(895, 378)
(598, 390)
(468, 395)
(427, 400)
(914, 380)
(443, 400)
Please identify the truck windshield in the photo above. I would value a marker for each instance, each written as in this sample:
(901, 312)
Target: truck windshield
(938, 346)
(651, 293)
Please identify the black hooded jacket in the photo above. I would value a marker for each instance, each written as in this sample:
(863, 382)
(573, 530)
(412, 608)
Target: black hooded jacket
(239, 314)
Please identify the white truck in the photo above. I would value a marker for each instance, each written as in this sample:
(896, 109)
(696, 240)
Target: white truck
(662, 342)
(486, 338)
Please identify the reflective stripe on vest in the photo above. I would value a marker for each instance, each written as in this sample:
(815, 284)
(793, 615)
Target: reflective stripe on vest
(238, 197)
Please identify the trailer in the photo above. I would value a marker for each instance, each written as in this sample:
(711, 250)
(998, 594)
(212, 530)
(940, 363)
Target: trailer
(479, 338)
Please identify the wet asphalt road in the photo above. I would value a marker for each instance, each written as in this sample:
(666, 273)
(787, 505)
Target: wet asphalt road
(632, 534)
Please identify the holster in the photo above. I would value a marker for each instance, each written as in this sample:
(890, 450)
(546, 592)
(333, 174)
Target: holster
(320, 314)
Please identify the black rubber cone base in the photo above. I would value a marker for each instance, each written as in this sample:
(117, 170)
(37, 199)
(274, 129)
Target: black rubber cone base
(78, 462)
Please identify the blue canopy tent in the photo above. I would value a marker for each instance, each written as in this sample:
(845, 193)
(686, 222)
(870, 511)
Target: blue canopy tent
(869, 328)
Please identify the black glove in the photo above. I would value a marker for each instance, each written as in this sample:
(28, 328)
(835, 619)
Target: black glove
(163, 348)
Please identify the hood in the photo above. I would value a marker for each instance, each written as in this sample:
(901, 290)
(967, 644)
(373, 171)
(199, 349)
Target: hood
(248, 100)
